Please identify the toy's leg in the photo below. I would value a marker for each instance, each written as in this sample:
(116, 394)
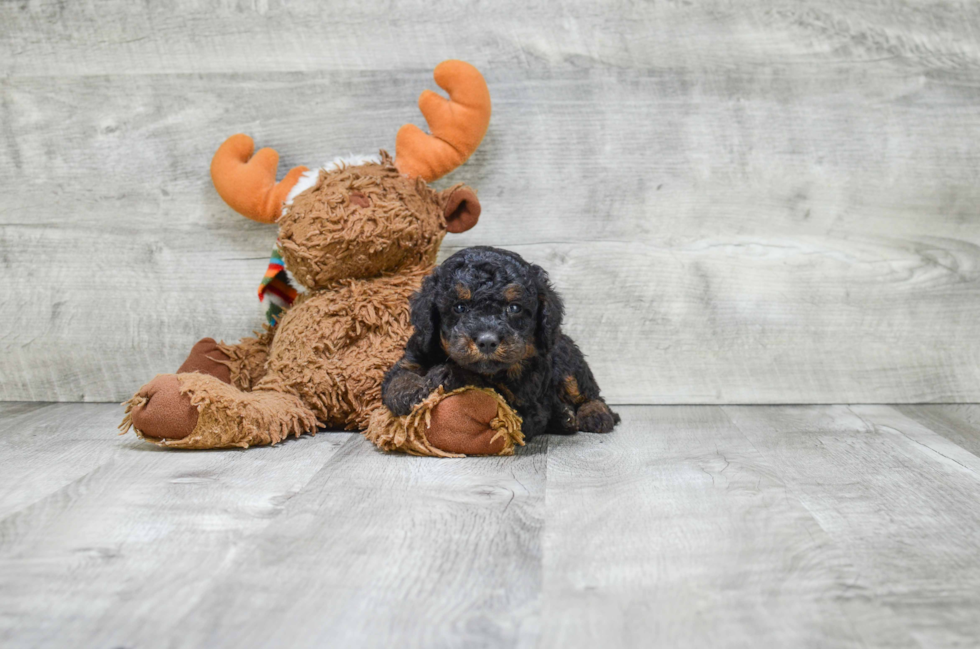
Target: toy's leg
(468, 421)
(207, 358)
(247, 359)
(242, 364)
(197, 410)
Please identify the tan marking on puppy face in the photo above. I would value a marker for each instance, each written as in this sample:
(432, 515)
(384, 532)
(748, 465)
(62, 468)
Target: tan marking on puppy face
(513, 292)
(510, 351)
(463, 292)
(571, 389)
(461, 349)
(529, 350)
(514, 371)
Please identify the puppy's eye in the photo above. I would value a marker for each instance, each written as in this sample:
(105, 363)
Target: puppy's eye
(459, 308)
(514, 309)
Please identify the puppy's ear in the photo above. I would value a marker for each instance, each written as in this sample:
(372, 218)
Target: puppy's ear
(424, 342)
(550, 310)
(462, 208)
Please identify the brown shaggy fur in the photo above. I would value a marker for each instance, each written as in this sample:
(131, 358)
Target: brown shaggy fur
(360, 242)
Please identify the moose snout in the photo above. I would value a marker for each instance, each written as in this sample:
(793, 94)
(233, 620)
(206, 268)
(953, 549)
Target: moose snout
(487, 342)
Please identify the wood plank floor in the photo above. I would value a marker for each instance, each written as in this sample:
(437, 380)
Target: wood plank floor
(690, 526)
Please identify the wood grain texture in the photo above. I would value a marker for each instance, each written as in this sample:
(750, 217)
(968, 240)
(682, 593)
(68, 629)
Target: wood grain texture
(677, 531)
(900, 501)
(50, 39)
(688, 526)
(383, 551)
(759, 203)
(106, 542)
(960, 424)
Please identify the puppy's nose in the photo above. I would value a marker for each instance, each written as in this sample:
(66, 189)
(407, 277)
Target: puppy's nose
(487, 343)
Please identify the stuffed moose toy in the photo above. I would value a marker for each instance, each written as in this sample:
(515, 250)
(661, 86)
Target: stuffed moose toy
(358, 236)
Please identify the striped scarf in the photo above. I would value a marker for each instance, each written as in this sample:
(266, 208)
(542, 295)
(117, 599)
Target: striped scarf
(275, 291)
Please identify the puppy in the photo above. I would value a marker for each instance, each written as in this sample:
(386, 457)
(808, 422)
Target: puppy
(487, 318)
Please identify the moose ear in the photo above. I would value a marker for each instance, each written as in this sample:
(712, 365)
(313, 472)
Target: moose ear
(462, 209)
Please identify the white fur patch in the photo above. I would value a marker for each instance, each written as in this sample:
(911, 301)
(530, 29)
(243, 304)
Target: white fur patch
(309, 178)
(300, 289)
(269, 297)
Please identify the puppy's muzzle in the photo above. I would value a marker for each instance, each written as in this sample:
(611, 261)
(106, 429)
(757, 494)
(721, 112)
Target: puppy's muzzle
(486, 351)
(487, 343)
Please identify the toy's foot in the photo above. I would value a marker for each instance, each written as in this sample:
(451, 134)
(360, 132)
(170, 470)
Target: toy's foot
(160, 410)
(461, 424)
(197, 410)
(469, 421)
(207, 358)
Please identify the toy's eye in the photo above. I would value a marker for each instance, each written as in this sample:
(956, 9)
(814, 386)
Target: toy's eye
(459, 308)
(514, 308)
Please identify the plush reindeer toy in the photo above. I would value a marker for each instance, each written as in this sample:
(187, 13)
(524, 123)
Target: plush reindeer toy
(358, 236)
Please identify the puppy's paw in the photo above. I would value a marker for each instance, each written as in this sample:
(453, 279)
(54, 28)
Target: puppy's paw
(404, 392)
(596, 417)
(565, 422)
(439, 375)
(450, 376)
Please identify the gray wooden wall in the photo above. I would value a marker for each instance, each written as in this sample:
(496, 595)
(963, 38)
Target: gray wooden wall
(743, 202)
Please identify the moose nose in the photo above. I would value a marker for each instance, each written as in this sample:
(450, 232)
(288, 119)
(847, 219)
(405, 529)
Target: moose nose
(487, 343)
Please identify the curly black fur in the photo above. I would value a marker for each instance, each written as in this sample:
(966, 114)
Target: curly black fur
(488, 318)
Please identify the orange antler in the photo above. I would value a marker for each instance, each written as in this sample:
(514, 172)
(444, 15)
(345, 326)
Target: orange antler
(249, 186)
(458, 124)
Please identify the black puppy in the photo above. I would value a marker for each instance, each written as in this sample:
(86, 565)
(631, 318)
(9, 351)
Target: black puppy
(487, 318)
